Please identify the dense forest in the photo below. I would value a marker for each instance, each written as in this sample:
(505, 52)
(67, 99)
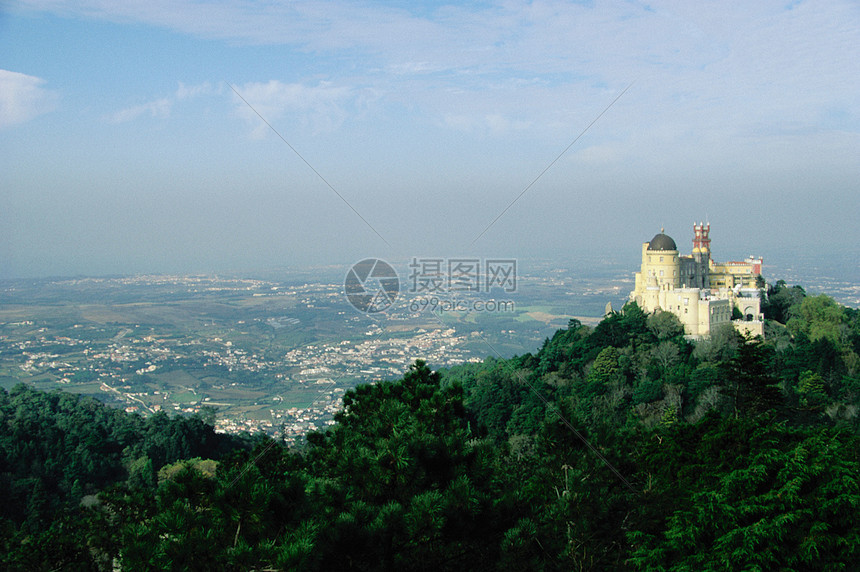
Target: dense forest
(619, 447)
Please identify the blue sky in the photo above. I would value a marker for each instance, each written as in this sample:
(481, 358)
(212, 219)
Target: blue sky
(123, 148)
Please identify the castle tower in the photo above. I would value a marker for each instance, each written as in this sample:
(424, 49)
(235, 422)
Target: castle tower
(660, 263)
(701, 240)
(699, 275)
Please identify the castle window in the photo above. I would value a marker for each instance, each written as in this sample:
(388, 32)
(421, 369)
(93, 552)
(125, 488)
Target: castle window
(661, 273)
(661, 259)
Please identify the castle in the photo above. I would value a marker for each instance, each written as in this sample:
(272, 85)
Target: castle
(703, 294)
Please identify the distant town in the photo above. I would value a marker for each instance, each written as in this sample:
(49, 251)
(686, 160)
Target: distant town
(257, 354)
(262, 355)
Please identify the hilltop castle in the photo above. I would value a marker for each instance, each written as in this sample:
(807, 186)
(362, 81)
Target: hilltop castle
(701, 292)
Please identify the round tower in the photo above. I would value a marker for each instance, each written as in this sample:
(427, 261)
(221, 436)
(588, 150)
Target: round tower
(660, 261)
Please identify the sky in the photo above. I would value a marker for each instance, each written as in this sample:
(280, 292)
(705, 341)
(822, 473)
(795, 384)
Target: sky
(197, 136)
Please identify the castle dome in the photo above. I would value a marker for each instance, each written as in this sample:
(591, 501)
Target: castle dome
(662, 242)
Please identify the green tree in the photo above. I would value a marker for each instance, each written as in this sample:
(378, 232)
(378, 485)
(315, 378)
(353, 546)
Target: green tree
(780, 298)
(665, 325)
(819, 317)
(749, 494)
(811, 390)
(749, 373)
(604, 371)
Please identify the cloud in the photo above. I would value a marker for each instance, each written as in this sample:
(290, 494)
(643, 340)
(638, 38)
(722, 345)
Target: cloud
(190, 91)
(157, 108)
(734, 62)
(324, 107)
(23, 98)
(161, 107)
(599, 155)
(545, 36)
(493, 123)
(546, 65)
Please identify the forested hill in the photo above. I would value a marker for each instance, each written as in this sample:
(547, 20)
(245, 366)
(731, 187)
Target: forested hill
(57, 449)
(622, 447)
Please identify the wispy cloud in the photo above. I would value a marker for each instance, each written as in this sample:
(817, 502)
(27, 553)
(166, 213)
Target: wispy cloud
(550, 36)
(23, 97)
(161, 107)
(322, 107)
(493, 123)
(499, 67)
(188, 91)
(738, 61)
(157, 108)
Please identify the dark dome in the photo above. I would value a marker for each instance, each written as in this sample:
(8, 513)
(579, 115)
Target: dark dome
(662, 242)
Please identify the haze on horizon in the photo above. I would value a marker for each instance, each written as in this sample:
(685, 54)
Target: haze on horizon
(124, 149)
